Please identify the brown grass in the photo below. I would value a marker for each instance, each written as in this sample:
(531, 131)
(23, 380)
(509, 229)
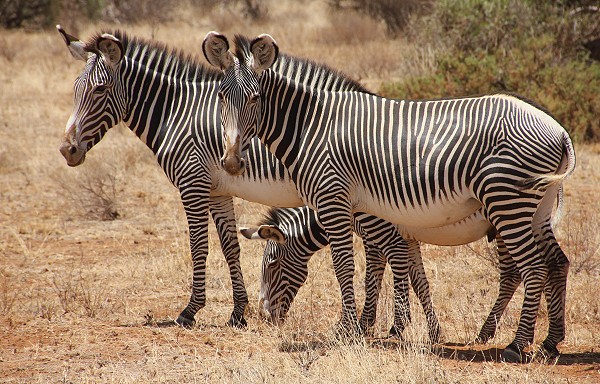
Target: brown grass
(84, 300)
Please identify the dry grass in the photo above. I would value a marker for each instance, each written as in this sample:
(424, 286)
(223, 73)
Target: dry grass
(84, 300)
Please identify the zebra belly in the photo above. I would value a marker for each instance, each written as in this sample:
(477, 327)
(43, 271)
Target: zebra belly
(271, 192)
(470, 229)
(435, 214)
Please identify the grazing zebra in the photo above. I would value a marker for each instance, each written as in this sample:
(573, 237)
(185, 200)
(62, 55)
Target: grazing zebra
(423, 164)
(170, 102)
(294, 234)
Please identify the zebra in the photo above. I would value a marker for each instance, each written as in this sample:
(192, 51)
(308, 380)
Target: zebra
(422, 164)
(294, 234)
(169, 101)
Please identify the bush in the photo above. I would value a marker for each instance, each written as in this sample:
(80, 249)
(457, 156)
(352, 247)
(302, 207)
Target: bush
(395, 14)
(26, 13)
(523, 47)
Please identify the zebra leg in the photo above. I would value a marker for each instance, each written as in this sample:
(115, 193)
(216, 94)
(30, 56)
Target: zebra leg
(335, 215)
(520, 242)
(556, 288)
(512, 212)
(510, 279)
(420, 286)
(195, 202)
(375, 267)
(398, 258)
(223, 215)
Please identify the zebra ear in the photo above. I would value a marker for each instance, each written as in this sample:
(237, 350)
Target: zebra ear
(264, 232)
(271, 232)
(216, 50)
(249, 233)
(264, 52)
(111, 48)
(75, 46)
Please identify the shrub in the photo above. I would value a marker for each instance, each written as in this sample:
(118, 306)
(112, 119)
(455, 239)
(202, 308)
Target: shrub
(395, 14)
(26, 13)
(522, 47)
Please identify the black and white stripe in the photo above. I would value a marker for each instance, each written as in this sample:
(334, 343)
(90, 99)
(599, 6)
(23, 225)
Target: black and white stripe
(285, 264)
(424, 164)
(170, 102)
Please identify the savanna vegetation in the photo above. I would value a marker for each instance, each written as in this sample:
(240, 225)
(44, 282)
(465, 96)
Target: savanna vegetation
(94, 260)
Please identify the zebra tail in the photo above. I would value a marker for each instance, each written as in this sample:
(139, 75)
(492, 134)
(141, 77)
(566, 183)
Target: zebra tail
(543, 182)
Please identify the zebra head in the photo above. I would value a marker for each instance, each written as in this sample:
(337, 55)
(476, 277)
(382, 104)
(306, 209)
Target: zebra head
(239, 93)
(277, 289)
(96, 106)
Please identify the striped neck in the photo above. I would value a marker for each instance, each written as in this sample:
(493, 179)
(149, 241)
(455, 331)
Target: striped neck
(283, 127)
(162, 89)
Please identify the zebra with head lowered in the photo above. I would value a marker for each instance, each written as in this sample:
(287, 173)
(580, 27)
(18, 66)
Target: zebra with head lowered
(170, 102)
(422, 164)
(293, 235)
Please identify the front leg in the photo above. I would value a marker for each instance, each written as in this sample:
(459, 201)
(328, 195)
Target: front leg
(335, 215)
(195, 200)
(223, 215)
(375, 268)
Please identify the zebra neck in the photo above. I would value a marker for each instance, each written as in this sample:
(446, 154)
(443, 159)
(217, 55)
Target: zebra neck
(163, 106)
(285, 126)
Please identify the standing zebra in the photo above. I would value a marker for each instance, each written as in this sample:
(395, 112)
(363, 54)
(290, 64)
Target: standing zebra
(422, 164)
(170, 102)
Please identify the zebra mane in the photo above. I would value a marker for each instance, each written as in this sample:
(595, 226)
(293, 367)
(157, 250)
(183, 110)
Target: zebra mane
(303, 71)
(272, 217)
(161, 58)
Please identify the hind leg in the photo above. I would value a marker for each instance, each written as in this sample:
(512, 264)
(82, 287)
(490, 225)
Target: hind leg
(556, 288)
(511, 212)
(373, 277)
(420, 285)
(510, 279)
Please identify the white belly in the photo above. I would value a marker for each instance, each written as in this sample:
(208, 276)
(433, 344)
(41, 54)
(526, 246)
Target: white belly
(462, 232)
(274, 193)
(435, 214)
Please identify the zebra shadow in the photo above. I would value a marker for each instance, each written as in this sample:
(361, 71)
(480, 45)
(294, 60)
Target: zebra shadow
(481, 353)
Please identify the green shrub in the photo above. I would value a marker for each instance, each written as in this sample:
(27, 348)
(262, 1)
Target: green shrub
(522, 47)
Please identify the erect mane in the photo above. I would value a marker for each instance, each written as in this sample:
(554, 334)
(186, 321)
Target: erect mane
(303, 71)
(161, 58)
(272, 217)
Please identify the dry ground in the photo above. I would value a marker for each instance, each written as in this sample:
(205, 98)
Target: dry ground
(88, 300)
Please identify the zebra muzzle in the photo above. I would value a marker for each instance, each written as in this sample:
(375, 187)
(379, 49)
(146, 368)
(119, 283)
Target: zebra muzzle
(72, 154)
(234, 165)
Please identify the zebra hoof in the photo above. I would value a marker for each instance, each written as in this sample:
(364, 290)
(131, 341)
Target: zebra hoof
(185, 322)
(237, 322)
(347, 333)
(512, 354)
(549, 350)
(484, 336)
(395, 332)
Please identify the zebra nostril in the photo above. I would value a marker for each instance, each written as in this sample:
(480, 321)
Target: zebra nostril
(242, 163)
(73, 150)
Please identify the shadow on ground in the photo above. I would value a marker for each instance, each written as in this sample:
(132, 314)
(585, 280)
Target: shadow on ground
(483, 353)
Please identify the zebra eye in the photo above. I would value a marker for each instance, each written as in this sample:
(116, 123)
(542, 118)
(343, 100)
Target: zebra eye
(254, 99)
(221, 96)
(100, 89)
